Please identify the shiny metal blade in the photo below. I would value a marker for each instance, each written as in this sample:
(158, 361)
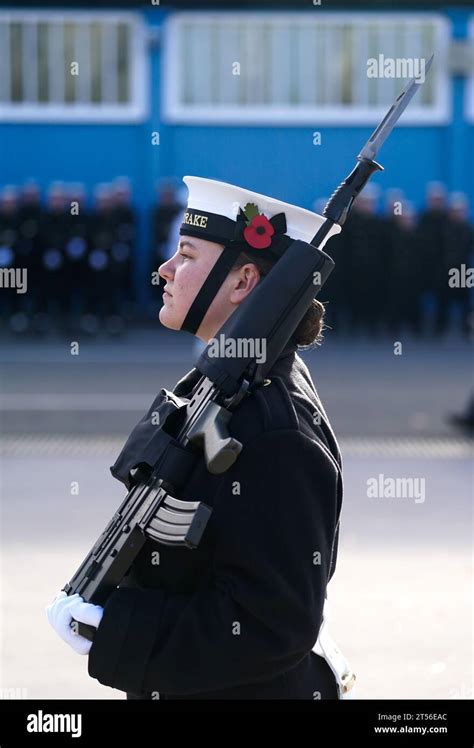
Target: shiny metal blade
(383, 130)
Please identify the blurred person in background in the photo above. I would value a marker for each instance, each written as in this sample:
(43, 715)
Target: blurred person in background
(9, 240)
(432, 236)
(54, 298)
(365, 239)
(404, 265)
(393, 202)
(77, 246)
(122, 254)
(30, 217)
(459, 253)
(102, 233)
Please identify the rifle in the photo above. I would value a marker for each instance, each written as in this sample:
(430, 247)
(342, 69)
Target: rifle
(189, 427)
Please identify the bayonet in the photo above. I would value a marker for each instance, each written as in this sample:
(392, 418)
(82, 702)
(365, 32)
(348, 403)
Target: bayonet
(342, 198)
(383, 130)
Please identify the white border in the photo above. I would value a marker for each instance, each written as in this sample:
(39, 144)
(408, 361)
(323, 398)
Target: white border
(135, 111)
(174, 111)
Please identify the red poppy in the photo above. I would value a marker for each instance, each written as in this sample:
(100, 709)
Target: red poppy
(259, 232)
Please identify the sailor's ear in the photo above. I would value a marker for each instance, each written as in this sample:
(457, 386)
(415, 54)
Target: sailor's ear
(248, 274)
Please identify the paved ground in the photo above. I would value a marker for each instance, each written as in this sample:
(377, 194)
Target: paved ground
(401, 596)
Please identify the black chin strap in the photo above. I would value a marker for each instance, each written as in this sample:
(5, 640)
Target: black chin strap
(210, 287)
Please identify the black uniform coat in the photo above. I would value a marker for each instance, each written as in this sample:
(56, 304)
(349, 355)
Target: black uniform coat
(237, 617)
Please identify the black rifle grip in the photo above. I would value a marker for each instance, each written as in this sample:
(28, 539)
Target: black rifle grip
(340, 202)
(83, 629)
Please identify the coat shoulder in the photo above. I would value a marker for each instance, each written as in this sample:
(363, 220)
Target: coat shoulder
(267, 408)
(287, 401)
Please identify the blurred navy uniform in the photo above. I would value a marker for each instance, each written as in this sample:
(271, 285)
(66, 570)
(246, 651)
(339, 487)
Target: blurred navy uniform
(9, 258)
(76, 250)
(121, 255)
(238, 617)
(459, 251)
(29, 249)
(432, 236)
(100, 284)
(365, 240)
(404, 265)
(54, 233)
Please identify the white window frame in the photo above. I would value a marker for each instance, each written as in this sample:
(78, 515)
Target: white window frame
(135, 110)
(469, 100)
(174, 111)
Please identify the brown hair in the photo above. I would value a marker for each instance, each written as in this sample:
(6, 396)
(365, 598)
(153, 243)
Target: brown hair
(310, 330)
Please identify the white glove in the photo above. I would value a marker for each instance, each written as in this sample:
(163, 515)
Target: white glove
(66, 607)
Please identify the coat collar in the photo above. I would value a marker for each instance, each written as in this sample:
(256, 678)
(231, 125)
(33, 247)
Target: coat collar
(186, 384)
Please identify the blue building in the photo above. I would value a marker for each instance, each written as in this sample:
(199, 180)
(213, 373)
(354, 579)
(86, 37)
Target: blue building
(280, 102)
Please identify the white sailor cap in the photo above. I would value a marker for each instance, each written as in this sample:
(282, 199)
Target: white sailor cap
(223, 213)
(243, 221)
